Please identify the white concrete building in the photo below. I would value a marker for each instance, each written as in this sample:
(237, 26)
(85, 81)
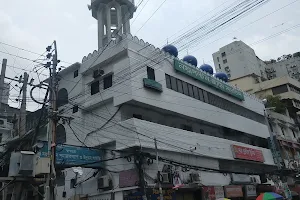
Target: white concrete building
(127, 93)
(287, 67)
(237, 59)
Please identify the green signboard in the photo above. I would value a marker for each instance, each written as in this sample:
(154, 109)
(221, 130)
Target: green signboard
(152, 84)
(208, 79)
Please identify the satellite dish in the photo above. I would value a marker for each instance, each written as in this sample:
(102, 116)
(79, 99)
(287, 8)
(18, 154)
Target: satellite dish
(77, 170)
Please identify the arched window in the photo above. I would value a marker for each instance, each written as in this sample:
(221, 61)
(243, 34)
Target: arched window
(62, 97)
(60, 134)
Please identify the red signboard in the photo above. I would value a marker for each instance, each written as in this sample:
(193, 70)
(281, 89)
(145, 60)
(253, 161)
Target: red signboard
(212, 193)
(246, 153)
(233, 191)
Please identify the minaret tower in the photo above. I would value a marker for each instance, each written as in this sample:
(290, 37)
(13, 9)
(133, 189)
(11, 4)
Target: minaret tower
(113, 18)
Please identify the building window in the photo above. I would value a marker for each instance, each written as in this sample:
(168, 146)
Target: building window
(218, 59)
(280, 89)
(1, 137)
(173, 83)
(60, 134)
(179, 86)
(168, 81)
(107, 82)
(62, 97)
(150, 73)
(205, 95)
(185, 88)
(225, 61)
(75, 73)
(201, 131)
(75, 109)
(1, 122)
(191, 93)
(186, 127)
(137, 116)
(223, 54)
(95, 87)
(196, 92)
(219, 66)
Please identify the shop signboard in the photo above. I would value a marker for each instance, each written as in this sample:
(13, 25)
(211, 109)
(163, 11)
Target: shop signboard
(128, 178)
(208, 79)
(71, 156)
(212, 192)
(233, 191)
(250, 191)
(246, 153)
(168, 194)
(134, 196)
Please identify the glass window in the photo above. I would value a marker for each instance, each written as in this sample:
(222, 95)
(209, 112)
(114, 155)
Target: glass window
(196, 93)
(95, 87)
(225, 61)
(168, 81)
(62, 97)
(173, 83)
(201, 97)
(150, 73)
(75, 73)
(280, 89)
(179, 86)
(185, 88)
(107, 82)
(223, 54)
(219, 66)
(218, 59)
(191, 93)
(205, 96)
(75, 109)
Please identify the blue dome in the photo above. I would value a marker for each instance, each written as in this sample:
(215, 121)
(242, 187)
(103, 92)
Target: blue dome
(222, 76)
(190, 59)
(171, 50)
(207, 68)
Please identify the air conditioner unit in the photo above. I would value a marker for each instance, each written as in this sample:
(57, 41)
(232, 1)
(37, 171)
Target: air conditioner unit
(97, 73)
(21, 164)
(195, 177)
(104, 182)
(165, 178)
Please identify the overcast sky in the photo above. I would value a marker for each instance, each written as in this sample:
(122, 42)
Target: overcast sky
(35, 24)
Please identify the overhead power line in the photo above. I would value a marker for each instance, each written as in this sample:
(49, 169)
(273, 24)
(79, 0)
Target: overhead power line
(151, 16)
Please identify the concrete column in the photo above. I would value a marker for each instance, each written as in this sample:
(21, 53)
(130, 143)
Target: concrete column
(108, 24)
(100, 26)
(119, 15)
(125, 20)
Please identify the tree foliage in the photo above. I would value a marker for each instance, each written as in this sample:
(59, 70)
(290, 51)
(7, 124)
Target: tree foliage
(275, 101)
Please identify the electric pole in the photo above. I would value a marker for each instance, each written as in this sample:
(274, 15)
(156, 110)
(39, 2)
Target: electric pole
(158, 172)
(23, 106)
(49, 190)
(2, 76)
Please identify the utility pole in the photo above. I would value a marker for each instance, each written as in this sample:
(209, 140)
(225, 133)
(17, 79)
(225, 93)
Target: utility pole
(158, 172)
(2, 76)
(23, 106)
(49, 190)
